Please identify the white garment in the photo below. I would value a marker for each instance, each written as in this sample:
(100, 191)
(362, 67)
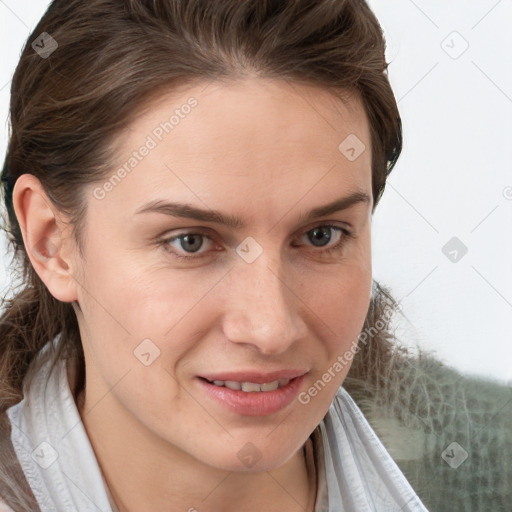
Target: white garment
(355, 472)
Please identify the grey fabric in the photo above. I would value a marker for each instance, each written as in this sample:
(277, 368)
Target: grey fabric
(429, 416)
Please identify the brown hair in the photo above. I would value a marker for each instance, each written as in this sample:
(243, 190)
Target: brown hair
(113, 56)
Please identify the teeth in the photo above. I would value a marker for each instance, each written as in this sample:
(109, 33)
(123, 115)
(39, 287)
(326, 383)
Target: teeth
(269, 386)
(249, 387)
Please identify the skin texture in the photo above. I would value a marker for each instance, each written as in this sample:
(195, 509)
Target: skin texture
(263, 150)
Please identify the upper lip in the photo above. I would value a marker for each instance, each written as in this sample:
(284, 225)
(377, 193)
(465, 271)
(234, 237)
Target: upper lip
(255, 376)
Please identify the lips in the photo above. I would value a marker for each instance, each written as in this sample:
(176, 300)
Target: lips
(253, 393)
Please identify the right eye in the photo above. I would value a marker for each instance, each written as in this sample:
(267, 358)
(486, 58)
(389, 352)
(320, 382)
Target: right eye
(188, 242)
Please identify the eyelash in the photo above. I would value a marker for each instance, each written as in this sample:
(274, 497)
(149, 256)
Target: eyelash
(345, 235)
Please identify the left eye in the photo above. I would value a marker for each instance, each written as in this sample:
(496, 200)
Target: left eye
(191, 242)
(322, 235)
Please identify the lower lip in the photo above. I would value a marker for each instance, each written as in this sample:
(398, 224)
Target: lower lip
(253, 403)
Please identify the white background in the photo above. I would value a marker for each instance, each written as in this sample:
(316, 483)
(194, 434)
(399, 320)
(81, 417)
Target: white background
(453, 179)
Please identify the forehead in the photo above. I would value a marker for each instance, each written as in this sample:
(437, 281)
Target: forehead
(269, 99)
(253, 137)
(254, 112)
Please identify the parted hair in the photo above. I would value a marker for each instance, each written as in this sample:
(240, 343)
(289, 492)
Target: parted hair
(113, 56)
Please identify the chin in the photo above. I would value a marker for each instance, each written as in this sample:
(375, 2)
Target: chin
(251, 456)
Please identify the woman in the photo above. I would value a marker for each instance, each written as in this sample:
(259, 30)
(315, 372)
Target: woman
(189, 188)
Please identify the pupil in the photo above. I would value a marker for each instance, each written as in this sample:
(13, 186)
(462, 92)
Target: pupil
(194, 240)
(321, 235)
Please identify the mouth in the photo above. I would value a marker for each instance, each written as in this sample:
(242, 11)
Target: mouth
(250, 387)
(252, 394)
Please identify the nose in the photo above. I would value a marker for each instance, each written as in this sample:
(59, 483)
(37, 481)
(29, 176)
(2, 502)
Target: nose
(262, 309)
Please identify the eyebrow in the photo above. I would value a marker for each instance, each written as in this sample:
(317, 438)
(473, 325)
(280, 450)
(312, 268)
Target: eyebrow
(184, 210)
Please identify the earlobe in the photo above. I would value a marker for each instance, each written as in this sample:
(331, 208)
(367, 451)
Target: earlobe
(43, 238)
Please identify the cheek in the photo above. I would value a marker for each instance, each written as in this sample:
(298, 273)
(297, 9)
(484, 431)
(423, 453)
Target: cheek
(124, 293)
(350, 293)
(342, 309)
(130, 317)
(146, 314)
(340, 297)
(349, 303)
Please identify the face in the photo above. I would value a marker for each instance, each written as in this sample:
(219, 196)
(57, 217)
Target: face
(243, 278)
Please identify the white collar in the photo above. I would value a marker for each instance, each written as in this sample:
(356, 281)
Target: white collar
(53, 448)
(356, 473)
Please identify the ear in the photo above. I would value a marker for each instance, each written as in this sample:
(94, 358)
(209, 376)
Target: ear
(46, 237)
